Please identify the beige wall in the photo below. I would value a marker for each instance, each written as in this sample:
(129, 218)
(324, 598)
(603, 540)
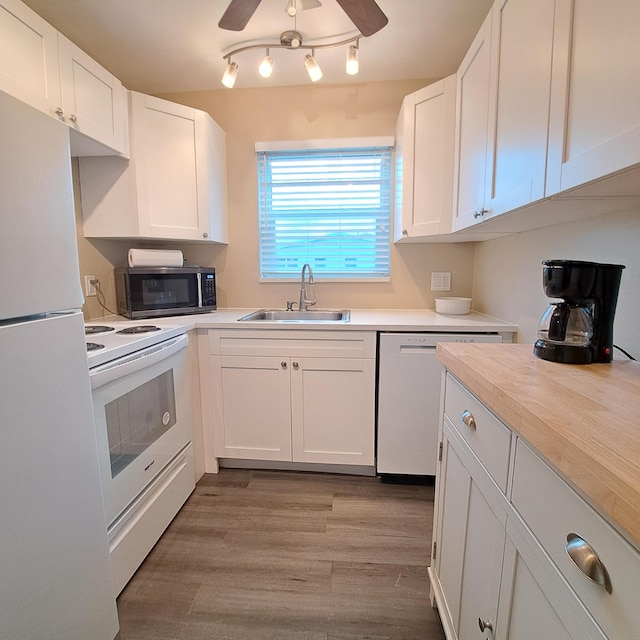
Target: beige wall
(508, 272)
(291, 113)
(294, 113)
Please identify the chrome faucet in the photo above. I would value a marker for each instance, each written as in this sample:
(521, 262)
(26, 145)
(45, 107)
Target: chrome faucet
(305, 302)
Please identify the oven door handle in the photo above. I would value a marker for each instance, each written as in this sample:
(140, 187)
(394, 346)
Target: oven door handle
(126, 365)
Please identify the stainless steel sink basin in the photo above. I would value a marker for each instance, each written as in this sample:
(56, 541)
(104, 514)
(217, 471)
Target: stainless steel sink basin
(279, 315)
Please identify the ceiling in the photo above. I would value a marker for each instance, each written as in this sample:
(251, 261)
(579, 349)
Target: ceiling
(167, 46)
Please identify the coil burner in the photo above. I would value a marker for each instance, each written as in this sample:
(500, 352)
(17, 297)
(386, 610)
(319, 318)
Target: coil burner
(97, 328)
(141, 328)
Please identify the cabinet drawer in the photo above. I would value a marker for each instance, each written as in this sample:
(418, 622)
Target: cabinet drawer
(488, 438)
(553, 511)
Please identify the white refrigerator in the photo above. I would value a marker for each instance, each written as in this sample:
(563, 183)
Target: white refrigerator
(55, 577)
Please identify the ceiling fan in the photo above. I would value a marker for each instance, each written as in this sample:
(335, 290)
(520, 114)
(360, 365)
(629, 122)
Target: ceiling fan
(366, 15)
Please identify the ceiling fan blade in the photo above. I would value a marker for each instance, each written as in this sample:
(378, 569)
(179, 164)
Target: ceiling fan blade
(238, 14)
(365, 14)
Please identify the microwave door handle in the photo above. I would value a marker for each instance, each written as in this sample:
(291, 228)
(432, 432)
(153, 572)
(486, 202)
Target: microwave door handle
(199, 275)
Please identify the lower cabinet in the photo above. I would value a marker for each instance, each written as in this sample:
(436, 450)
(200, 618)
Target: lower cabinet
(501, 568)
(526, 612)
(302, 396)
(469, 545)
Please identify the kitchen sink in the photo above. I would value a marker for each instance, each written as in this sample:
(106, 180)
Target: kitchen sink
(280, 315)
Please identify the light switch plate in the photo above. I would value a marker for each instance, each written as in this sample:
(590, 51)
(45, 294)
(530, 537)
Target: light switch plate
(441, 281)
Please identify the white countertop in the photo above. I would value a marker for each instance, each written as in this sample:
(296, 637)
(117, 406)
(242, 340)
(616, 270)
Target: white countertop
(361, 320)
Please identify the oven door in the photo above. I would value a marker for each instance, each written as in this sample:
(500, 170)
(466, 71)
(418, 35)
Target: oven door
(143, 418)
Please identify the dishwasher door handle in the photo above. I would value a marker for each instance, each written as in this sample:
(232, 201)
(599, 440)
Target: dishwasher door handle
(417, 348)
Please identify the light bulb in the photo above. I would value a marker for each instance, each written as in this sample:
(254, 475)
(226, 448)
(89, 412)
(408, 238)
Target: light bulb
(313, 68)
(266, 66)
(230, 74)
(353, 66)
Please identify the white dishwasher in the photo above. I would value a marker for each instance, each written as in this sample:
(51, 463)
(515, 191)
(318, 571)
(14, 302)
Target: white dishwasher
(409, 379)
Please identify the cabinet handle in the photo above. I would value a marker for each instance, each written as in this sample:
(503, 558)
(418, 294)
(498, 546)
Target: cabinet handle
(295, 365)
(73, 118)
(468, 419)
(587, 560)
(283, 364)
(60, 113)
(480, 213)
(405, 233)
(205, 235)
(485, 625)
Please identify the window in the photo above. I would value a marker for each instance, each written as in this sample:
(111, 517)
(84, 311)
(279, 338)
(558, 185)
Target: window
(330, 208)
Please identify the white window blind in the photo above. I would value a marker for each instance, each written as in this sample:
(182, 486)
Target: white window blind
(330, 208)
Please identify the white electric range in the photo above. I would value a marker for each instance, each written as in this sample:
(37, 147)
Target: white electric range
(143, 415)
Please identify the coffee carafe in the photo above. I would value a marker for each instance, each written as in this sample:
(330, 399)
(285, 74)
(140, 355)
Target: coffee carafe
(579, 328)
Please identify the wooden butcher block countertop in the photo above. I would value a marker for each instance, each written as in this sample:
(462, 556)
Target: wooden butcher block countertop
(584, 419)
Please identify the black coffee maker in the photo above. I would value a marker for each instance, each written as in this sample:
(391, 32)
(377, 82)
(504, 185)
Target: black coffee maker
(578, 329)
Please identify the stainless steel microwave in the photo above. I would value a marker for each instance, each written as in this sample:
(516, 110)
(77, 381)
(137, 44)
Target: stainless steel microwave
(151, 292)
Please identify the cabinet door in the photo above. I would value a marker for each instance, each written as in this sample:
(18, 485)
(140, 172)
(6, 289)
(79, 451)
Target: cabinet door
(521, 48)
(470, 543)
(215, 226)
(332, 403)
(29, 67)
(171, 176)
(256, 408)
(595, 106)
(472, 108)
(525, 610)
(424, 161)
(535, 601)
(94, 102)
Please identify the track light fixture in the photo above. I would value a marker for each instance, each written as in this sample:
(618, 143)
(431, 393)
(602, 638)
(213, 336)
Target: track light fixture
(353, 65)
(292, 40)
(266, 66)
(230, 74)
(312, 67)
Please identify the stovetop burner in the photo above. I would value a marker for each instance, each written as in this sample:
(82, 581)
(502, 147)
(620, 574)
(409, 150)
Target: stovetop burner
(142, 328)
(97, 328)
(94, 346)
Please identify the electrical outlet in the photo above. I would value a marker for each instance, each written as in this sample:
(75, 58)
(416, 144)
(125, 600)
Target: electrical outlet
(441, 281)
(89, 287)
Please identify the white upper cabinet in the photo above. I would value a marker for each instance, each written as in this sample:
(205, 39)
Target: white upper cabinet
(595, 106)
(42, 68)
(548, 104)
(424, 162)
(174, 186)
(519, 92)
(29, 67)
(94, 103)
(472, 109)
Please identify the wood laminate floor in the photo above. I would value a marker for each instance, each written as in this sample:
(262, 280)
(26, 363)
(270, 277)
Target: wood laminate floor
(266, 555)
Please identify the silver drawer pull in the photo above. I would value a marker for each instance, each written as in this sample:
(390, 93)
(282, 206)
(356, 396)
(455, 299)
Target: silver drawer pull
(468, 419)
(586, 559)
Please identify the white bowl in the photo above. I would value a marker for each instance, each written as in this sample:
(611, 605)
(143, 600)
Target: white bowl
(453, 306)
